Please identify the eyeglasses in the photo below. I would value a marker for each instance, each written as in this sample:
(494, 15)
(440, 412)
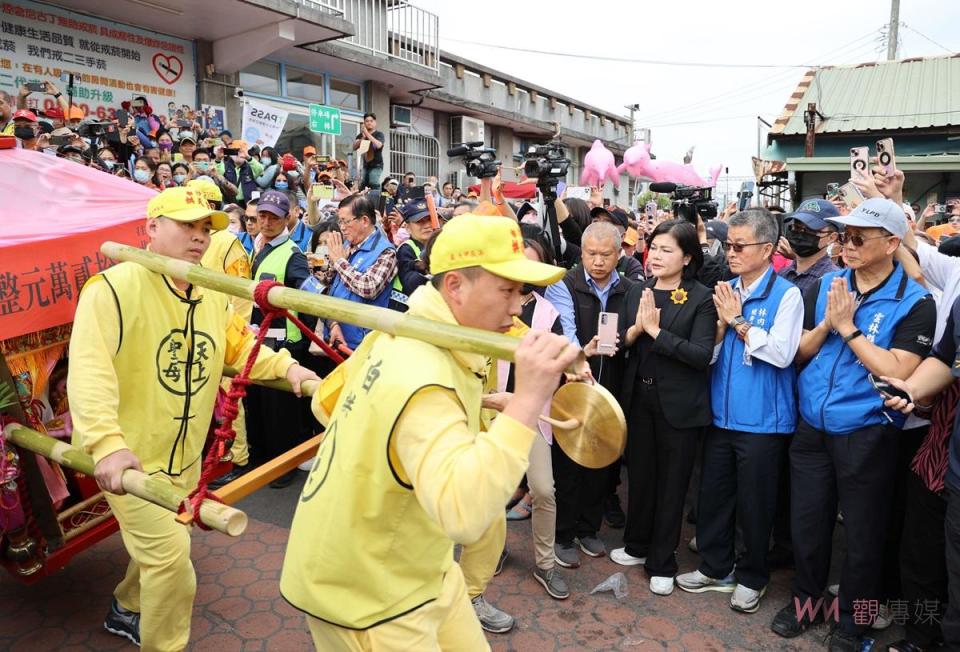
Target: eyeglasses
(345, 222)
(856, 239)
(738, 247)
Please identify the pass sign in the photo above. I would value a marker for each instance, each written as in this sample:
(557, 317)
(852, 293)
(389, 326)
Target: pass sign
(324, 119)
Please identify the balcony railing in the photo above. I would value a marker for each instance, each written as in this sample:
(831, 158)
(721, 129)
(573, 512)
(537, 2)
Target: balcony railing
(394, 28)
(334, 7)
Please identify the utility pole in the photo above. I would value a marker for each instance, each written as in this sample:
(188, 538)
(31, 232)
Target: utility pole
(893, 30)
(810, 121)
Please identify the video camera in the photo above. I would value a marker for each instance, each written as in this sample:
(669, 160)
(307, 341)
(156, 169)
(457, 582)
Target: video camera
(481, 161)
(548, 163)
(689, 201)
(95, 128)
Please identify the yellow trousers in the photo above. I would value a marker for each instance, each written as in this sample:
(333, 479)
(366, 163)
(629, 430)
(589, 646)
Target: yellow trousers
(479, 559)
(446, 624)
(160, 582)
(239, 450)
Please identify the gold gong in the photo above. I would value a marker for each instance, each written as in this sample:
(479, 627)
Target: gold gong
(589, 425)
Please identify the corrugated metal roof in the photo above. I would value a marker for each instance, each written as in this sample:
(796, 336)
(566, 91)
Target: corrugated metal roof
(906, 94)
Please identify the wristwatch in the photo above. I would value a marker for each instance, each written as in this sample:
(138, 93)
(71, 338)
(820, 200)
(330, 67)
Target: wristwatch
(57, 95)
(737, 321)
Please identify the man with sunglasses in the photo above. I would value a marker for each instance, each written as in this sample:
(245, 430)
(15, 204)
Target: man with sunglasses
(808, 233)
(869, 318)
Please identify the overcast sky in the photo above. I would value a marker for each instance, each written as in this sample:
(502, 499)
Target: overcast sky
(723, 102)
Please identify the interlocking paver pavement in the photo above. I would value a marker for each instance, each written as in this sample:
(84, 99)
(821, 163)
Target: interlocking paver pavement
(238, 605)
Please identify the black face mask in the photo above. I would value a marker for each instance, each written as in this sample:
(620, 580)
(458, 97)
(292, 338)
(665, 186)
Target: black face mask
(24, 133)
(804, 244)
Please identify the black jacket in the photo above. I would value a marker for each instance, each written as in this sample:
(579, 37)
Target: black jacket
(586, 308)
(683, 349)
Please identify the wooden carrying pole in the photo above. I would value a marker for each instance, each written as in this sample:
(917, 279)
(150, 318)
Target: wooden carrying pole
(217, 516)
(447, 336)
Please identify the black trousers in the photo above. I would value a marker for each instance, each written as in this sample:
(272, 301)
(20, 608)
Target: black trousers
(579, 494)
(923, 565)
(659, 462)
(781, 518)
(738, 485)
(951, 621)
(858, 470)
(278, 420)
(907, 444)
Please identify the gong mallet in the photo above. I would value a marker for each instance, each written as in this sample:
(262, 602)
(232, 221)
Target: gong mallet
(214, 515)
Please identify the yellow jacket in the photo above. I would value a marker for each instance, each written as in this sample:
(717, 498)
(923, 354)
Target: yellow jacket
(402, 473)
(145, 364)
(227, 255)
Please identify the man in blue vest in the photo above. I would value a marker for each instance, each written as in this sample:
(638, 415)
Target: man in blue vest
(299, 231)
(277, 420)
(869, 318)
(761, 318)
(363, 263)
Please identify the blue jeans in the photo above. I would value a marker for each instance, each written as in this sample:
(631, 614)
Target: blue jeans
(371, 178)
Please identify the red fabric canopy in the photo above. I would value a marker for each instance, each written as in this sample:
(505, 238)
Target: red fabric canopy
(54, 215)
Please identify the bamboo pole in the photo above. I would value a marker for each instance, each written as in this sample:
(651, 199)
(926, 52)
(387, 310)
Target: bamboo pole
(447, 336)
(218, 516)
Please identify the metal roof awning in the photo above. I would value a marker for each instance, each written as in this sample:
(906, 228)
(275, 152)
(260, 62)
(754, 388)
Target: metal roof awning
(932, 163)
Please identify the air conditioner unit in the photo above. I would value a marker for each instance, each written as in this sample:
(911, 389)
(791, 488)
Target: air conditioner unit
(464, 129)
(400, 116)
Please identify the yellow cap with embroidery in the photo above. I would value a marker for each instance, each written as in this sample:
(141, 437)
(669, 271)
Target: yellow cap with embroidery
(493, 243)
(185, 205)
(208, 189)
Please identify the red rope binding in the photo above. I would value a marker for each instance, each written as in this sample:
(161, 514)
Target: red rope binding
(224, 435)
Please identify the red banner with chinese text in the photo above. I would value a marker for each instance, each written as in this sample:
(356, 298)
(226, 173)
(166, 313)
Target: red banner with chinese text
(40, 281)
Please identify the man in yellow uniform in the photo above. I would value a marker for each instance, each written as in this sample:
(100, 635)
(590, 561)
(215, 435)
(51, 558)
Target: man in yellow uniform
(404, 471)
(146, 356)
(227, 255)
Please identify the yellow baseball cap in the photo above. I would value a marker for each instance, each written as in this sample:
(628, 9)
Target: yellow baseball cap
(493, 243)
(185, 205)
(208, 189)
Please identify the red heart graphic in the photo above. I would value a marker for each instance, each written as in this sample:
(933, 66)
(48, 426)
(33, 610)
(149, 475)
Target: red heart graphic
(168, 68)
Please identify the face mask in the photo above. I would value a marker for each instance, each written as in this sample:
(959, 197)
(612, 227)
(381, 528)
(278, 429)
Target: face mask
(234, 229)
(166, 145)
(202, 165)
(108, 163)
(281, 185)
(803, 244)
(266, 160)
(24, 133)
(142, 176)
(179, 178)
(293, 174)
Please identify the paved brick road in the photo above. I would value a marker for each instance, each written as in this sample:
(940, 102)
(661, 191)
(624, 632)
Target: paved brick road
(238, 605)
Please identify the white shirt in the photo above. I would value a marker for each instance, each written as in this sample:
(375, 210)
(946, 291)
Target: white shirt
(777, 346)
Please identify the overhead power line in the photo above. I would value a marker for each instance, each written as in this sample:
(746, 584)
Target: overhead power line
(922, 35)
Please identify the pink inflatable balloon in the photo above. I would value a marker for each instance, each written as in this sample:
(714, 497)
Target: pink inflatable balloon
(598, 166)
(637, 163)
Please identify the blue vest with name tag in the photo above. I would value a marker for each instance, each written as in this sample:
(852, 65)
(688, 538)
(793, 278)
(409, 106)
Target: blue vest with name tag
(362, 260)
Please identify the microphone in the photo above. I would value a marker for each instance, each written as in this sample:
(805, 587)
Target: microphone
(462, 149)
(663, 187)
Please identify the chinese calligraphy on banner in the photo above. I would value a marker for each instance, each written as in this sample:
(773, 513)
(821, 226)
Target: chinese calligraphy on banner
(111, 63)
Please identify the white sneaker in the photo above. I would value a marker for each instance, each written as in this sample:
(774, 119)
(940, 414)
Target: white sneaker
(834, 590)
(884, 618)
(306, 466)
(697, 582)
(746, 600)
(622, 557)
(661, 585)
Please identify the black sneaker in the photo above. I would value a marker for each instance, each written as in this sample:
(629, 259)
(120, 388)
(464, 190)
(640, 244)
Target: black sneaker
(785, 623)
(613, 512)
(284, 480)
(503, 558)
(123, 623)
(841, 641)
(230, 476)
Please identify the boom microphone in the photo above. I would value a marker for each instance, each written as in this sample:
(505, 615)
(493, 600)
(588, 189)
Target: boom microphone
(663, 187)
(462, 149)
